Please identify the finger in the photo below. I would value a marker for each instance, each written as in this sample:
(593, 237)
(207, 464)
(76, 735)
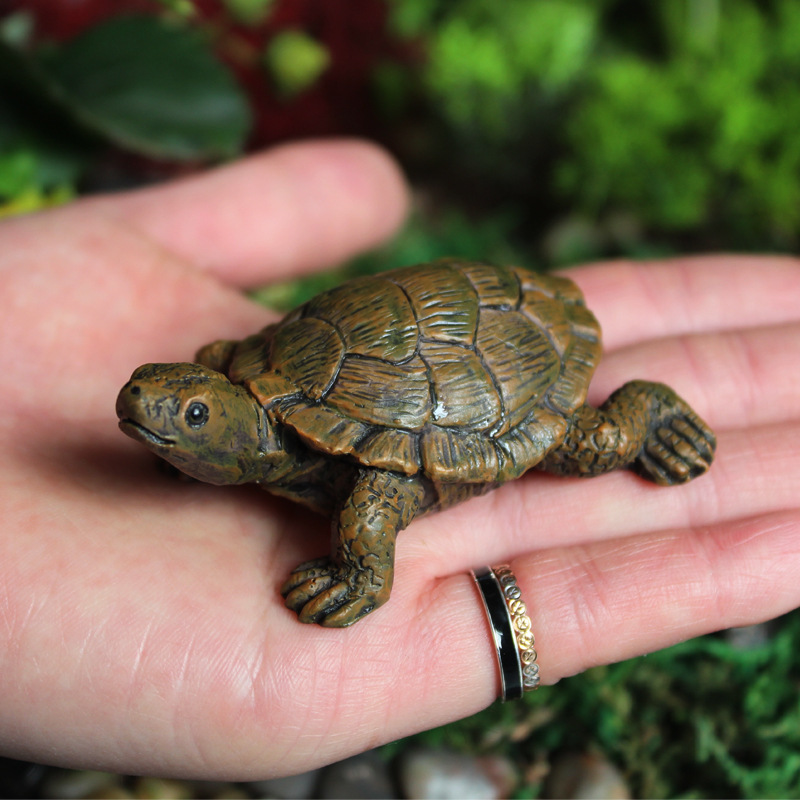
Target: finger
(615, 600)
(733, 379)
(639, 301)
(756, 472)
(273, 215)
(620, 599)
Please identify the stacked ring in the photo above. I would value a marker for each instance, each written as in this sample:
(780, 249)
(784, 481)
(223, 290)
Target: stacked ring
(522, 627)
(511, 630)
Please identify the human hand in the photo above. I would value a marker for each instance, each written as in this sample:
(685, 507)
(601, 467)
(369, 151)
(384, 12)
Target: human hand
(143, 631)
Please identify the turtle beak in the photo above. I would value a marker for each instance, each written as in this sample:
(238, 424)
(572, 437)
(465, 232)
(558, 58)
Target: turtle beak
(142, 417)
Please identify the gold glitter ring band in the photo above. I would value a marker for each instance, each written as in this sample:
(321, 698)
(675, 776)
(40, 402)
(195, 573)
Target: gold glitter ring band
(511, 630)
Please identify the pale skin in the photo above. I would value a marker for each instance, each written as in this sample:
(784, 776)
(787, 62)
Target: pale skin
(141, 625)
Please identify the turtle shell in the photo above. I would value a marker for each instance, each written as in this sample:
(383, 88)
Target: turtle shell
(462, 370)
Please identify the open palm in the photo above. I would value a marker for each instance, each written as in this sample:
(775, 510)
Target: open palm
(142, 627)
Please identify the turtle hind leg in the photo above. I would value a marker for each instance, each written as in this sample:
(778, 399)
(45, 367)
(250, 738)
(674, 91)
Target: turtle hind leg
(679, 446)
(643, 426)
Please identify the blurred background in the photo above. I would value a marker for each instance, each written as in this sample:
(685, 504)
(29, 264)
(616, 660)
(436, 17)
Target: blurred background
(533, 131)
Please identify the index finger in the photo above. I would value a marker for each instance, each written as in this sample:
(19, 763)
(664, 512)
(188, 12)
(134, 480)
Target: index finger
(280, 213)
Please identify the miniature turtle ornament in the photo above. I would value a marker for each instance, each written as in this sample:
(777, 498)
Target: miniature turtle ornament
(401, 393)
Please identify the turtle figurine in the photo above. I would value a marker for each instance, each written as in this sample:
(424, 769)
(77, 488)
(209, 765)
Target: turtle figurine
(401, 393)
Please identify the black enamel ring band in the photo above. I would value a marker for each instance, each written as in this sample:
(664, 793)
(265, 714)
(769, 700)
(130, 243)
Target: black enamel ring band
(511, 630)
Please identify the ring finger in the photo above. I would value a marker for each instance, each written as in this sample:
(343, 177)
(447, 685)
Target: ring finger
(616, 599)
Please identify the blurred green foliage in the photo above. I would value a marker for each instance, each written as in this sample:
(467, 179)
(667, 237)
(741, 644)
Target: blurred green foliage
(250, 12)
(707, 136)
(611, 126)
(295, 60)
(486, 60)
(681, 115)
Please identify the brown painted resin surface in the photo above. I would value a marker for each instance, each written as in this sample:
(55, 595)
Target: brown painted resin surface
(401, 393)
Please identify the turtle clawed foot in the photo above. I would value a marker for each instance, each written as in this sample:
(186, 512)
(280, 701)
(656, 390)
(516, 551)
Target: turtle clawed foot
(680, 445)
(331, 595)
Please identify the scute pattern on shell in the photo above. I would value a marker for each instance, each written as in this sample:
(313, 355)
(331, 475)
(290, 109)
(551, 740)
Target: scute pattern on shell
(460, 369)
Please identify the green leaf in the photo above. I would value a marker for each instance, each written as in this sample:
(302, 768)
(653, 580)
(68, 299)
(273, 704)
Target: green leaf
(151, 87)
(36, 132)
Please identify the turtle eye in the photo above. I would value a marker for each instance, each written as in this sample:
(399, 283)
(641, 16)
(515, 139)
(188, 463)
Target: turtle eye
(196, 415)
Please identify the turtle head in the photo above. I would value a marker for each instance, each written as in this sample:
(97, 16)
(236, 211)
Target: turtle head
(196, 419)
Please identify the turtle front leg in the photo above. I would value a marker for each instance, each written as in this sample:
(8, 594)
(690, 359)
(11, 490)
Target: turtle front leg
(357, 578)
(644, 426)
